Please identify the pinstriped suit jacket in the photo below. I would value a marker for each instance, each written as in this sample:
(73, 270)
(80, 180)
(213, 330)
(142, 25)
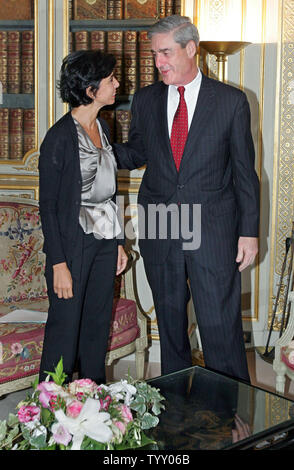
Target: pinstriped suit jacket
(217, 168)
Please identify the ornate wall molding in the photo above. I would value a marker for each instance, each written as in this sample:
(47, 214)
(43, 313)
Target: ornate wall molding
(283, 193)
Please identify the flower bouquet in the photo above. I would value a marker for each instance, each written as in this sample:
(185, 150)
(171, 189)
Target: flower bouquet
(82, 415)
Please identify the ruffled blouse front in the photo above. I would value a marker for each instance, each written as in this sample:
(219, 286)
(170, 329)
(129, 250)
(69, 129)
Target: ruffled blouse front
(98, 213)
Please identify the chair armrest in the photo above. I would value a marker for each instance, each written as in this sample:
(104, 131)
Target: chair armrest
(131, 289)
(288, 334)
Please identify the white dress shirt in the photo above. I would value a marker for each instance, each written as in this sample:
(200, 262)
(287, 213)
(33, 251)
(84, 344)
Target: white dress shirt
(191, 96)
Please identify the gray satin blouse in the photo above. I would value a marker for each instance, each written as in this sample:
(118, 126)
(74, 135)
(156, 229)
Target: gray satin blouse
(98, 213)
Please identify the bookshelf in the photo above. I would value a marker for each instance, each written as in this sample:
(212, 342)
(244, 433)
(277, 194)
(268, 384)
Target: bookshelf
(27, 111)
(124, 34)
(17, 105)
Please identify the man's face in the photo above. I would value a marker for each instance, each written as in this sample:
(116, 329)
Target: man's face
(176, 64)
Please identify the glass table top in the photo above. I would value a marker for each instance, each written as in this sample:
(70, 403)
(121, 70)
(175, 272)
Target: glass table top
(209, 411)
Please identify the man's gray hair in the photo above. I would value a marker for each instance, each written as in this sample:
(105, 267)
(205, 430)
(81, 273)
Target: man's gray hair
(184, 30)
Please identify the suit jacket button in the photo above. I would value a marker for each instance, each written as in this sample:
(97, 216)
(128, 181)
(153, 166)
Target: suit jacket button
(181, 186)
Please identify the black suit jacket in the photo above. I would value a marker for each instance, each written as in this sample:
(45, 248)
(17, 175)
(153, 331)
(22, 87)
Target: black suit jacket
(60, 189)
(216, 171)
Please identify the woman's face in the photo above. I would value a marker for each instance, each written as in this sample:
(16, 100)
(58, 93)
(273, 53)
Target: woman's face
(106, 92)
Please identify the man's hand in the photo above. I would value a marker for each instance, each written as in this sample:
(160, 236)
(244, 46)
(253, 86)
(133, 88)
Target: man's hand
(62, 281)
(122, 260)
(247, 250)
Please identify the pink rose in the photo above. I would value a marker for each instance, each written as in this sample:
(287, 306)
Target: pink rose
(28, 413)
(49, 392)
(74, 408)
(82, 386)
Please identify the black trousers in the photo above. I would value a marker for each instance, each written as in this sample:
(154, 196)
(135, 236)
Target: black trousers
(216, 294)
(77, 329)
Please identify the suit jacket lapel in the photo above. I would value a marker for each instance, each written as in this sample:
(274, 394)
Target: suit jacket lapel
(161, 124)
(203, 110)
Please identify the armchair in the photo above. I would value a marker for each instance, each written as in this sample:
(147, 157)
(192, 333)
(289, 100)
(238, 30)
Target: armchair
(281, 364)
(23, 286)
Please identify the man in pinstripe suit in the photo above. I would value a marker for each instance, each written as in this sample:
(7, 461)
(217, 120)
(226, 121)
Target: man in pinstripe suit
(217, 172)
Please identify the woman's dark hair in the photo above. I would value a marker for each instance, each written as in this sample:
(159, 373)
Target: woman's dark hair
(80, 70)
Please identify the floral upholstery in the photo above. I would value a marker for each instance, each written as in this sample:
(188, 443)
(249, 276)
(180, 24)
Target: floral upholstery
(23, 286)
(287, 355)
(124, 327)
(21, 257)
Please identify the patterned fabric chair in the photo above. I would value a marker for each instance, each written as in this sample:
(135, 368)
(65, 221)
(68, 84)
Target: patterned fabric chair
(23, 286)
(283, 363)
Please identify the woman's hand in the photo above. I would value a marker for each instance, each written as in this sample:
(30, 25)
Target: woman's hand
(62, 281)
(122, 260)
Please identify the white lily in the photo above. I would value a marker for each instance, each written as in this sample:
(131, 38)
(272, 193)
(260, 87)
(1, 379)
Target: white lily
(123, 391)
(91, 422)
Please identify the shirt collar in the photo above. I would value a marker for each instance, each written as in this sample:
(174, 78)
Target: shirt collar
(190, 86)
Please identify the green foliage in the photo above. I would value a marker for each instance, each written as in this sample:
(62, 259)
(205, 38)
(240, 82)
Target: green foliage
(58, 376)
(36, 433)
(147, 404)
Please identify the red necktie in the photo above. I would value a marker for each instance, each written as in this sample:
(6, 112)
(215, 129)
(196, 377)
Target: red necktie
(179, 129)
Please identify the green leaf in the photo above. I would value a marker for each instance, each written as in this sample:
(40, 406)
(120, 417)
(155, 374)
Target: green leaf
(46, 417)
(90, 444)
(3, 430)
(35, 383)
(12, 420)
(138, 405)
(58, 376)
(149, 421)
(144, 442)
(38, 442)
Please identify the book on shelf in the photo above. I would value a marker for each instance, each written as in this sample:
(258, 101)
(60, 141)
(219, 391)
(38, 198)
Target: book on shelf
(16, 9)
(3, 61)
(13, 62)
(81, 40)
(141, 9)
(161, 8)
(122, 9)
(28, 130)
(146, 61)
(178, 7)
(97, 40)
(130, 62)
(115, 47)
(15, 133)
(4, 134)
(115, 9)
(27, 61)
(169, 7)
(90, 10)
(123, 119)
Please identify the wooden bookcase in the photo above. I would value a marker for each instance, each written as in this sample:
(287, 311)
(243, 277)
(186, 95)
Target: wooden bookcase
(26, 114)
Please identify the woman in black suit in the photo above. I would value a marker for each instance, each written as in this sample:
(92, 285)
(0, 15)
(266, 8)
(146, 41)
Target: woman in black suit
(83, 238)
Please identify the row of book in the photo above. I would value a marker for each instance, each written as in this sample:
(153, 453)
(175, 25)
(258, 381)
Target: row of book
(17, 132)
(122, 9)
(132, 49)
(118, 122)
(17, 61)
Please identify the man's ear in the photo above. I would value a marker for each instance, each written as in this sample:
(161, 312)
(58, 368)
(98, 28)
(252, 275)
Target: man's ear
(191, 49)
